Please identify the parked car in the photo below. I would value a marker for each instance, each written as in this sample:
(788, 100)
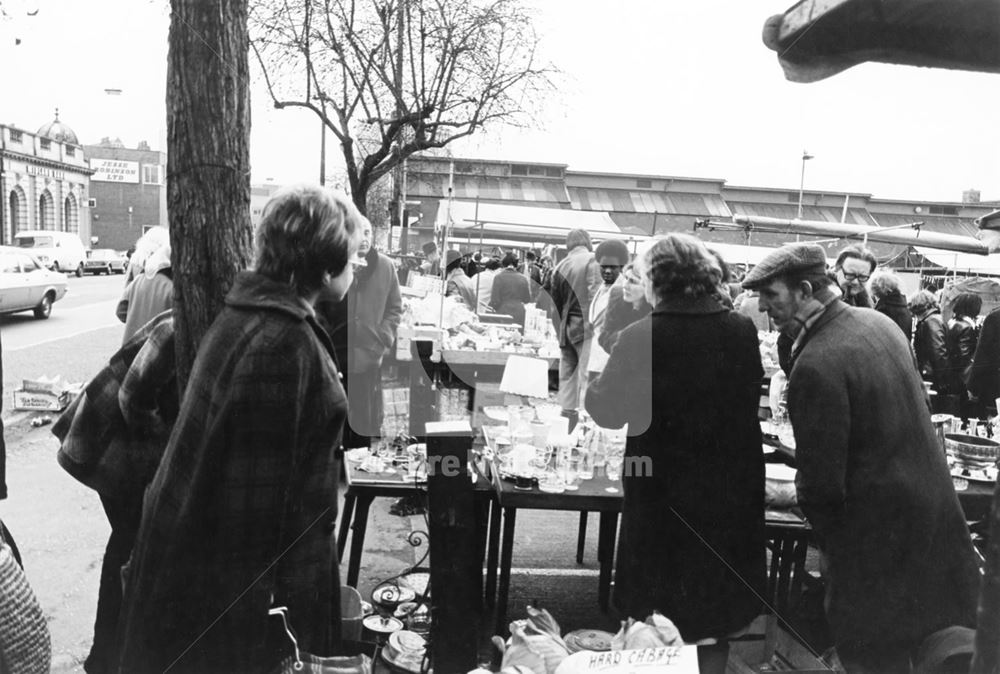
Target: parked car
(104, 261)
(25, 284)
(58, 251)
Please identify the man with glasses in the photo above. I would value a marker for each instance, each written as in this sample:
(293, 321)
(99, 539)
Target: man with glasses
(854, 267)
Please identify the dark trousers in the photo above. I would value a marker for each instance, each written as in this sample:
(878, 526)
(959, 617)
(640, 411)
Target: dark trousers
(124, 517)
(364, 405)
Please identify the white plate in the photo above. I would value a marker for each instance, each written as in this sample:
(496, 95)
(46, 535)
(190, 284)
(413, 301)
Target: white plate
(387, 657)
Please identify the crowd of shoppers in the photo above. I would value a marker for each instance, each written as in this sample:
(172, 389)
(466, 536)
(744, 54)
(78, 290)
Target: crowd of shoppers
(221, 501)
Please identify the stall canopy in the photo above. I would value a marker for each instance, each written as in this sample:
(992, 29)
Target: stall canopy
(523, 223)
(962, 262)
(819, 38)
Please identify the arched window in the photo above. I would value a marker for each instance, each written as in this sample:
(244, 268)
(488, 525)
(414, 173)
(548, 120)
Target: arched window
(18, 211)
(46, 211)
(11, 216)
(71, 214)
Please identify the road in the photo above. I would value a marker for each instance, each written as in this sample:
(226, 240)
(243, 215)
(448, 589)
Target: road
(74, 342)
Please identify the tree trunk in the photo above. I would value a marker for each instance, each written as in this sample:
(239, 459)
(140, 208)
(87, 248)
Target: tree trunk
(208, 162)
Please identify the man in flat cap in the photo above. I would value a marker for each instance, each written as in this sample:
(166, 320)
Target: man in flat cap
(872, 480)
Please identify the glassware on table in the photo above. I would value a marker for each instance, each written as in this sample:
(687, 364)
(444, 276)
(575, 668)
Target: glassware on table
(543, 456)
(568, 464)
(781, 423)
(614, 443)
(585, 467)
(613, 468)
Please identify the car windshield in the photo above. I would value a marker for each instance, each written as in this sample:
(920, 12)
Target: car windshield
(8, 264)
(34, 241)
(102, 254)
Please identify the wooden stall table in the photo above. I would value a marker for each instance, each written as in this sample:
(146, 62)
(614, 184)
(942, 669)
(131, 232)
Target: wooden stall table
(788, 538)
(591, 495)
(976, 499)
(362, 490)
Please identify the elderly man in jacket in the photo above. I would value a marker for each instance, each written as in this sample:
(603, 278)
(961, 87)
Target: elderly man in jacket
(574, 283)
(362, 327)
(895, 549)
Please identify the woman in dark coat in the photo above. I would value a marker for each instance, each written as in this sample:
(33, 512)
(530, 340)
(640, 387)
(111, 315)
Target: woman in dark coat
(889, 300)
(511, 290)
(930, 340)
(692, 532)
(626, 305)
(240, 513)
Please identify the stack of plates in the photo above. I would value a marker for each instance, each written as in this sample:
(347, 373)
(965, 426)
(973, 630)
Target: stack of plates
(405, 650)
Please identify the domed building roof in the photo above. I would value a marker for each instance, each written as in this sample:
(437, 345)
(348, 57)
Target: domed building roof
(57, 130)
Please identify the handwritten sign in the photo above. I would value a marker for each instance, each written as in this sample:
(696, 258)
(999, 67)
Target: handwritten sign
(115, 171)
(669, 659)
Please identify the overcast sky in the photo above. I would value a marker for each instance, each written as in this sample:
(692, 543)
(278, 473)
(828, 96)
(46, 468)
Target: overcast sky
(650, 86)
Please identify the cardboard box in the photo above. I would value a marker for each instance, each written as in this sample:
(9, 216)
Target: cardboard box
(47, 402)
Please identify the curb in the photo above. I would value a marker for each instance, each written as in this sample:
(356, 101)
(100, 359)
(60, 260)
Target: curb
(16, 417)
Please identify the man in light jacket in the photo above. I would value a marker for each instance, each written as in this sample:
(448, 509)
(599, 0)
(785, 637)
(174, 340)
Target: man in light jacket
(574, 283)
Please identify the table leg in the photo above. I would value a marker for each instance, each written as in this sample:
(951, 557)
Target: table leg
(362, 506)
(506, 555)
(581, 537)
(345, 524)
(492, 552)
(606, 556)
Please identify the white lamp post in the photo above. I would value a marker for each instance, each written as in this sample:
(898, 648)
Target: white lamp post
(802, 180)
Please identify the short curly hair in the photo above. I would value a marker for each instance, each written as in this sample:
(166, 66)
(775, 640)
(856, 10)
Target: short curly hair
(921, 301)
(306, 231)
(680, 264)
(884, 283)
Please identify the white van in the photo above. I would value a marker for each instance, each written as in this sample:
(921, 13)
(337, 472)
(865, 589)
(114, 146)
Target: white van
(59, 251)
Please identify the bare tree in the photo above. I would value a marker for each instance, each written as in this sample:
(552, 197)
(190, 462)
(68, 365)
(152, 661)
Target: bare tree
(208, 162)
(390, 78)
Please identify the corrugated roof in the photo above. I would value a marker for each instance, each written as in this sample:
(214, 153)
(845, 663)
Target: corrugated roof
(524, 222)
(488, 188)
(645, 201)
(933, 223)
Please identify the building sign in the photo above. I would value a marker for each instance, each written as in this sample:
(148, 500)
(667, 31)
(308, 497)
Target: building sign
(33, 170)
(115, 171)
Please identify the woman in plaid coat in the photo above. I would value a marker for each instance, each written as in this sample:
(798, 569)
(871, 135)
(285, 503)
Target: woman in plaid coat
(239, 516)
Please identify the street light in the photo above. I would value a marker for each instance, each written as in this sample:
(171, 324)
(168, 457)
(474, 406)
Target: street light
(802, 181)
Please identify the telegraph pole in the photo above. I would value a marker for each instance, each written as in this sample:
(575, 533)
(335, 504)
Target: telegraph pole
(396, 214)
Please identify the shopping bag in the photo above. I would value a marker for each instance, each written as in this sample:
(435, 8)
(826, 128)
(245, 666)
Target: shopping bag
(307, 663)
(25, 645)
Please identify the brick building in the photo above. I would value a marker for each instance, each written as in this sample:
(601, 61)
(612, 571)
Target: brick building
(128, 192)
